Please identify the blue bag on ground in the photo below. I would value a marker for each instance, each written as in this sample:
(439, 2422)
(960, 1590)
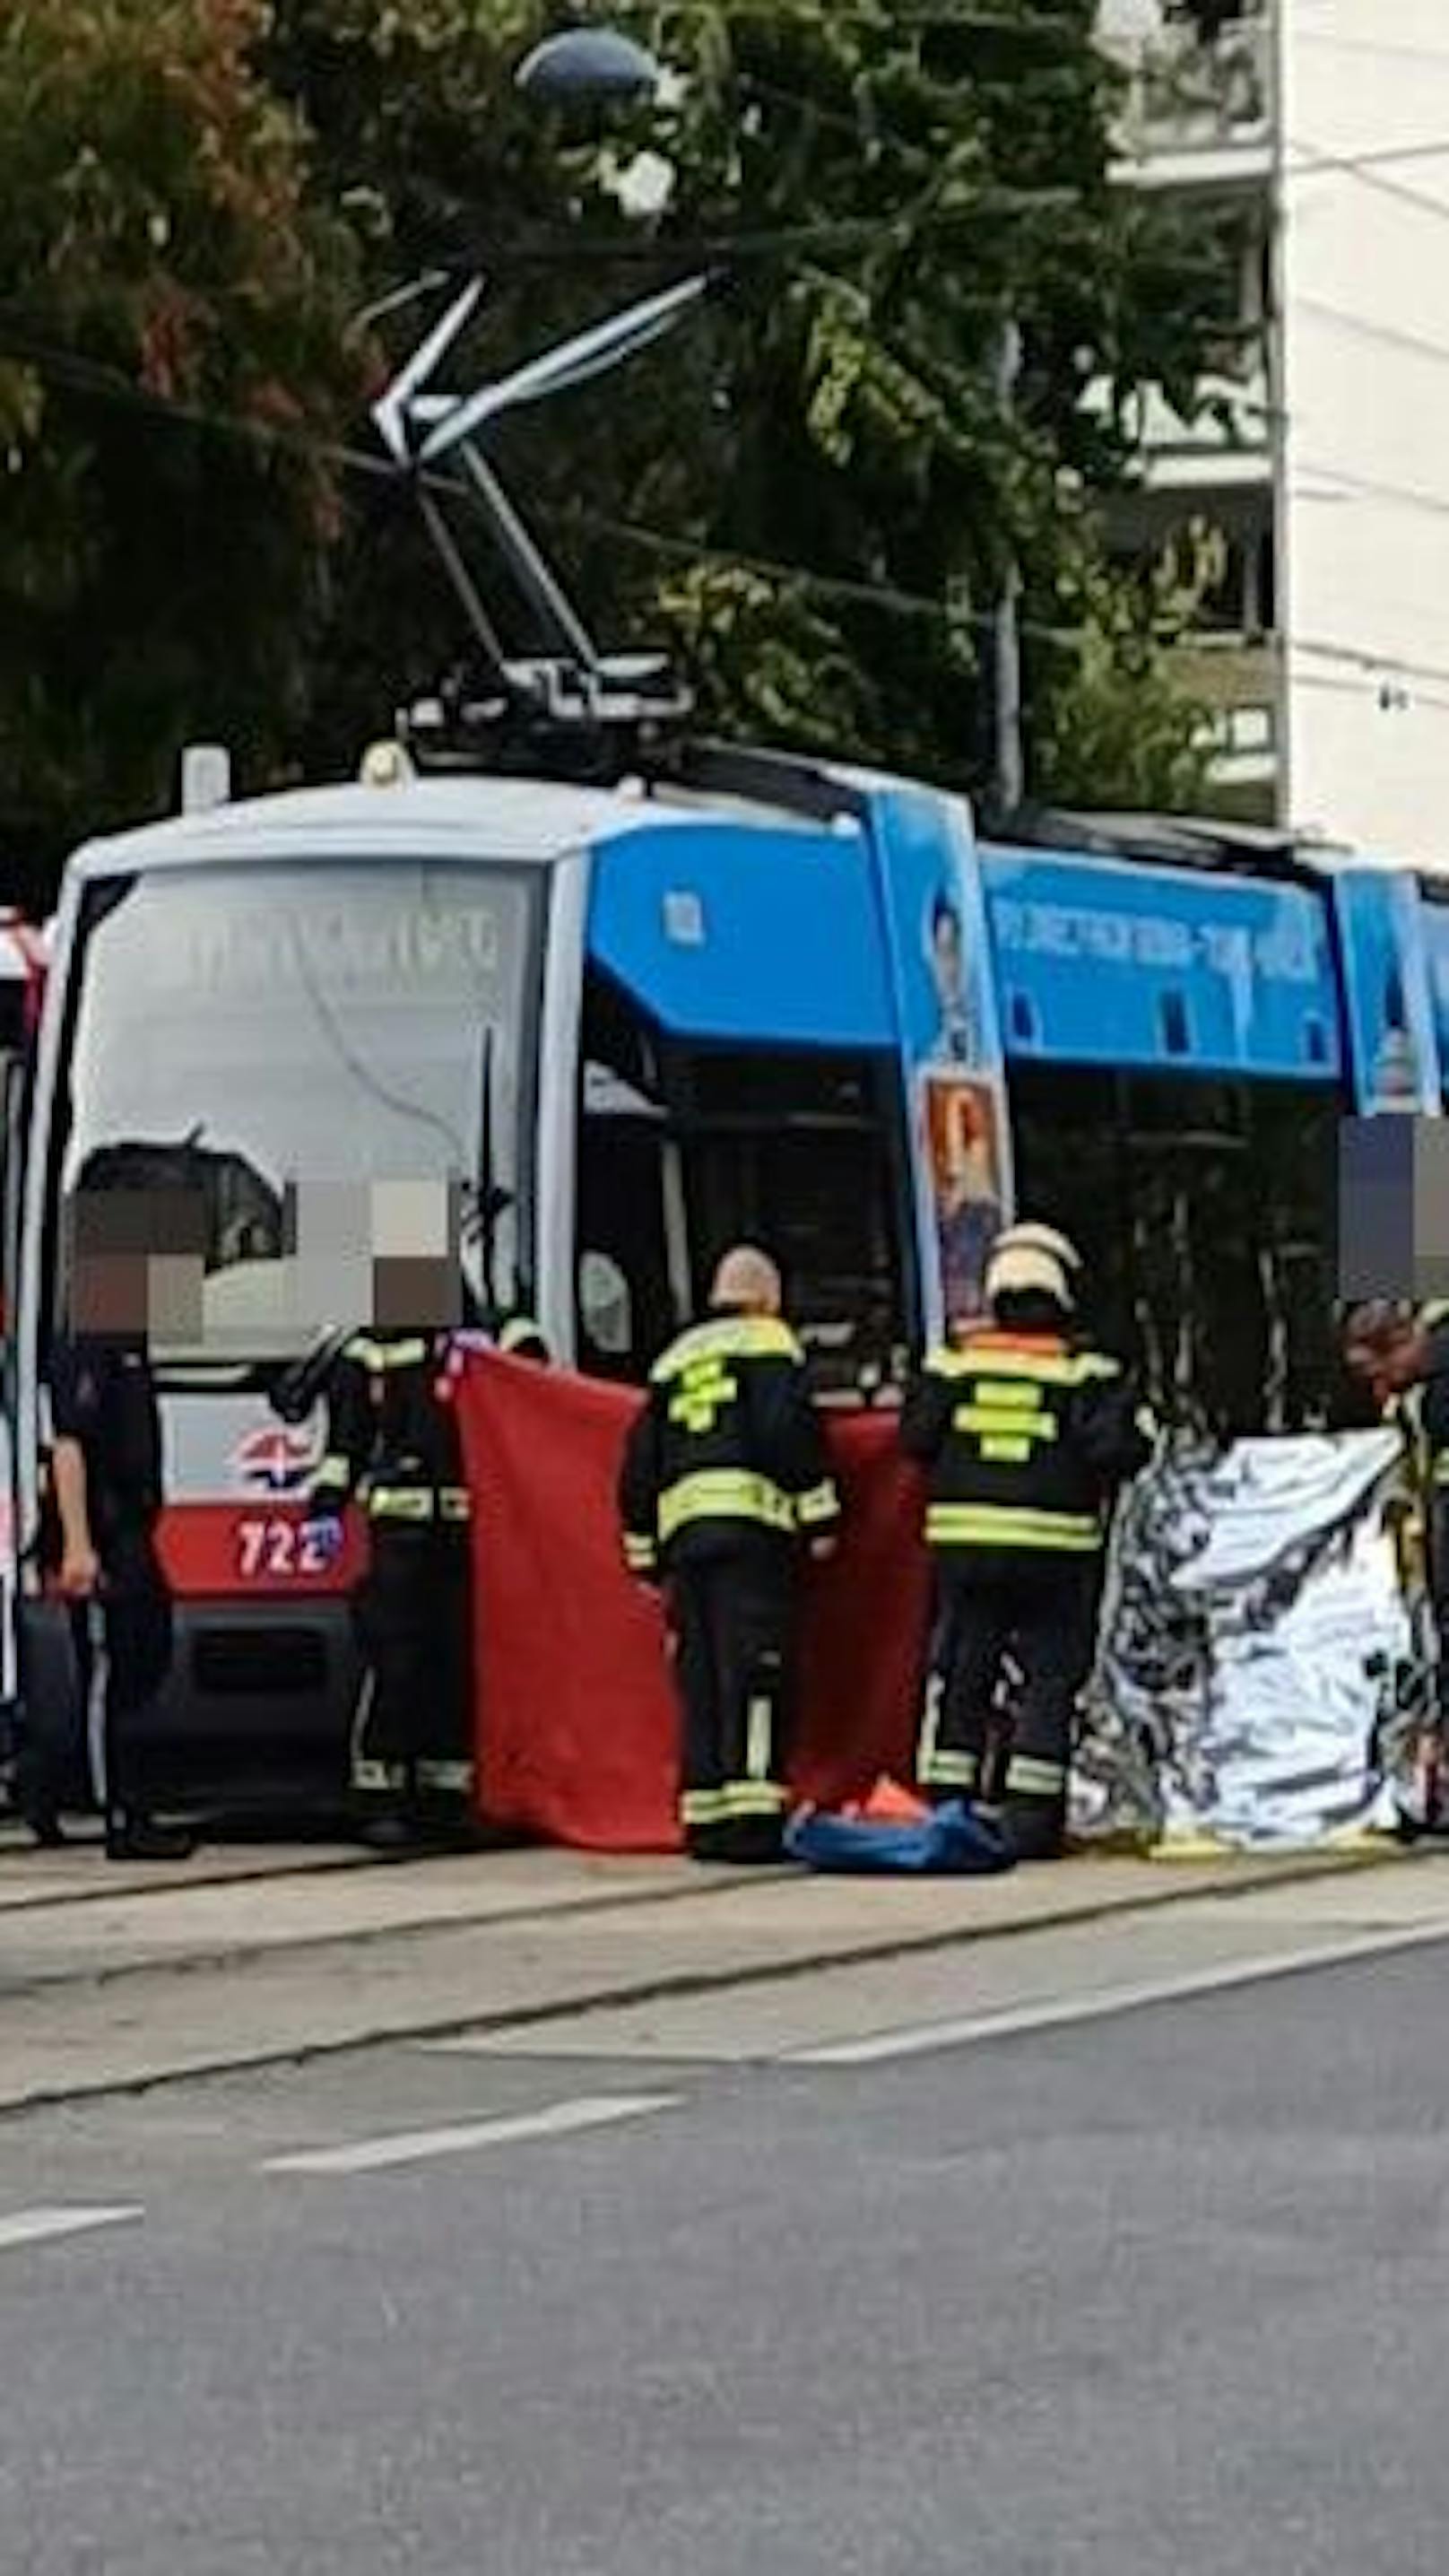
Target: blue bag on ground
(949, 1843)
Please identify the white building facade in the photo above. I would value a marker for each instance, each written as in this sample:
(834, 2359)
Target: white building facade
(1309, 140)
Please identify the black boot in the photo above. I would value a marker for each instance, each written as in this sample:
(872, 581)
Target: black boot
(1036, 1828)
(393, 1833)
(130, 1836)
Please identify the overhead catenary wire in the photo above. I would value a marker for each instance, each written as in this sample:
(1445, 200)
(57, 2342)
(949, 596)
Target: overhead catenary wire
(887, 598)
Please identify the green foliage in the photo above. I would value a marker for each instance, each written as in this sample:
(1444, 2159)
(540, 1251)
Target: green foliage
(159, 265)
(1117, 729)
(813, 491)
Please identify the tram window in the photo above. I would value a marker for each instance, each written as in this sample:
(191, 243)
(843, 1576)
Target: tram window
(685, 1149)
(792, 1148)
(1205, 1211)
(1069, 1172)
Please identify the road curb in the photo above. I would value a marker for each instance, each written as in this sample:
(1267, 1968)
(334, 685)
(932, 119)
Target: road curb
(636, 1990)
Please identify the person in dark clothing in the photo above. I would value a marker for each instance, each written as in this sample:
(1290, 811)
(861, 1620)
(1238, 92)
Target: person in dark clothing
(723, 1483)
(392, 1440)
(1025, 1433)
(107, 1472)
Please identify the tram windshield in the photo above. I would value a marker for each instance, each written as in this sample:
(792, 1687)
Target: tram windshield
(267, 1037)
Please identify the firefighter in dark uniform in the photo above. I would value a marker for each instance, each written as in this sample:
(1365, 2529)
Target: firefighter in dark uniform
(393, 1441)
(724, 1483)
(1025, 1432)
(106, 1470)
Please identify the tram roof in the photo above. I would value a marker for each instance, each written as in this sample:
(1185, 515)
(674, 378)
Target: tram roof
(520, 820)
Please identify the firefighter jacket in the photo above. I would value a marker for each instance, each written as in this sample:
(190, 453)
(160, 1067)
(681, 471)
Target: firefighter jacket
(728, 1452)
(392, 1434)
(1024, 1437)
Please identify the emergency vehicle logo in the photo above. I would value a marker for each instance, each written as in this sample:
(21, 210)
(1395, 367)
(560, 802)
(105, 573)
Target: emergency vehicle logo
(274, 1459)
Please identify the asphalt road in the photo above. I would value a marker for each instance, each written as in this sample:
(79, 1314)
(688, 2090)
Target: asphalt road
(1160, 2291)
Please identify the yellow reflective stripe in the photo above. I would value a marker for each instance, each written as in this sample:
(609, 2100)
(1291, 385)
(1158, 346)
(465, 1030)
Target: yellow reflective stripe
(752, 1798)
(757, 1337)
(520, 1328)
(1035, 1779)
(700, 1806)
(401, 1503)
(1146, 1421)
(457, 1503)
(334, 1470)
(445, 1775)
(703, 1391)
(1027, 1368)
(822, 1503)
(379, 1775)
(940, 1770)
(759, 1733)
(736, 1798)
(1009, 1525)
(930, 1728)
(994, 1411)
(640, 1554)
(375, 1356)
(724, 1494)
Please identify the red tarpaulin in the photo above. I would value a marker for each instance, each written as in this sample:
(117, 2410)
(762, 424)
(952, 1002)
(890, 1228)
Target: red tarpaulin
(577, 1724)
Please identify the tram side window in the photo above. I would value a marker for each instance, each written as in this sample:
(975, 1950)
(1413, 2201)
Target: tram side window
(1071, 1172)
(1206, 1213)
(686, 1148)
(793, 1148)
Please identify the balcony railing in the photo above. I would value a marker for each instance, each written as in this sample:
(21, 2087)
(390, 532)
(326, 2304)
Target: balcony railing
(1227, 437)
(1234, 678)
(1193, 95)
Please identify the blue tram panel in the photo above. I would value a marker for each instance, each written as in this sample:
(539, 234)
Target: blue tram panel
(738, 932)
(1153, 969)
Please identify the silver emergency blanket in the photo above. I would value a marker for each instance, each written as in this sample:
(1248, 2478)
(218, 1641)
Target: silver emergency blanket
(1264, 1674)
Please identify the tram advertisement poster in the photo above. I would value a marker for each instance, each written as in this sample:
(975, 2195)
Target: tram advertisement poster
(1387, 991)
(962, 1120)
(950, 1043)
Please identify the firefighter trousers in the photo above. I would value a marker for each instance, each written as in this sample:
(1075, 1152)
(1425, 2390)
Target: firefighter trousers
(412, 1741)
(732, 1619)
(973, 1744)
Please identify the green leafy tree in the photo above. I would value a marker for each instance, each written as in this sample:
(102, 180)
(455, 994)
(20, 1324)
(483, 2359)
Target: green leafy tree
(814, 490)
(1118, 729)
(173, 361)
(818, 487)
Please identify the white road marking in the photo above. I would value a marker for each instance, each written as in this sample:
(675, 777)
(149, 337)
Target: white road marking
(33, 2226)
(407, 2147)
(1059, 2011)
